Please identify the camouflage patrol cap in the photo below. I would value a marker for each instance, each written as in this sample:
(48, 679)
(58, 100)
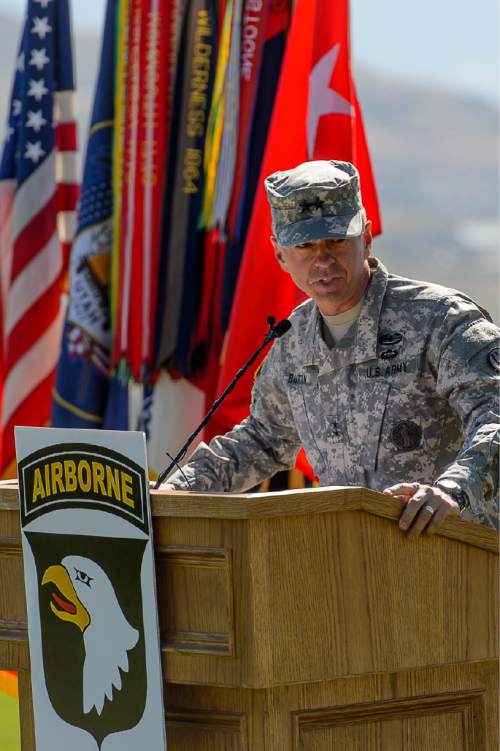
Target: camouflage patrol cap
(315, 200)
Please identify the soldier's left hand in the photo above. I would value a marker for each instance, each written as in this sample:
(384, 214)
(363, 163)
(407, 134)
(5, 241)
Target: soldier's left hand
(426, 507)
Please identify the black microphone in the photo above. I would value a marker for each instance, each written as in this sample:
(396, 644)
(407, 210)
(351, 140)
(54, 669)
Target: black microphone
(281, 328)
(275, 332)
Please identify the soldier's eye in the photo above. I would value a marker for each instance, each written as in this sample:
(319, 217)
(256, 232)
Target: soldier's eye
(81, 576)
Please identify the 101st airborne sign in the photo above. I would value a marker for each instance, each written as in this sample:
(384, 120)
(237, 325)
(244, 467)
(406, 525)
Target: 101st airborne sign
(90, 590)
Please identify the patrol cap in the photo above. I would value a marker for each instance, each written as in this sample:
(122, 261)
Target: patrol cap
(315, 200)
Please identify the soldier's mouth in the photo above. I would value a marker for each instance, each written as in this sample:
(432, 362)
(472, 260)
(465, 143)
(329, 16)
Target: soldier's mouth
(326, 281)
(60, 603)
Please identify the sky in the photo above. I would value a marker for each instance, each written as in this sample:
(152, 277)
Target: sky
(445, 42)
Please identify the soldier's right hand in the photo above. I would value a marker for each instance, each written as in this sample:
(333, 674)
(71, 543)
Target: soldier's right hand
(164, 486)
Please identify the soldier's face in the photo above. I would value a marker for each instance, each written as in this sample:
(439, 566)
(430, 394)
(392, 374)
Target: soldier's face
(334, 272)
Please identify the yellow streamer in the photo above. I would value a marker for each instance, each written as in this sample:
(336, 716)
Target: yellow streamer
(122, 26)
(216, 119)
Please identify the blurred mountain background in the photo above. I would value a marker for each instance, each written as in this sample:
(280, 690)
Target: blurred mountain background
(435, 156)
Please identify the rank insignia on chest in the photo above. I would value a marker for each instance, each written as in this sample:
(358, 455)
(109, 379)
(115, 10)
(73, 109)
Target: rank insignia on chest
(336, 429)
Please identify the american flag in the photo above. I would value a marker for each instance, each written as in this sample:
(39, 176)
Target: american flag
(38, 196)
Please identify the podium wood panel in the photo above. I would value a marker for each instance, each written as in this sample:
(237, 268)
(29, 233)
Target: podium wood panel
(306, 620)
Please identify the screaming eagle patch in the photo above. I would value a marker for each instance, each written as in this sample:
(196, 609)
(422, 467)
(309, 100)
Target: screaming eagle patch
(90, 590)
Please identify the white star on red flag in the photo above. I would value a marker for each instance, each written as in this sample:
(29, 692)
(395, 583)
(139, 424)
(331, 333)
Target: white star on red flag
(322, 99)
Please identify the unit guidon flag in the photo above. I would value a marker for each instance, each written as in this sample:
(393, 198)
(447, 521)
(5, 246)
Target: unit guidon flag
(90, 590)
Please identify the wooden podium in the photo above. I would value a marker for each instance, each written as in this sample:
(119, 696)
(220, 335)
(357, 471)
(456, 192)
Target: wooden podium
(306, 621)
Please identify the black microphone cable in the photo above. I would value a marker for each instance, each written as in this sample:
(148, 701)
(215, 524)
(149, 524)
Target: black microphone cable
(275, 332)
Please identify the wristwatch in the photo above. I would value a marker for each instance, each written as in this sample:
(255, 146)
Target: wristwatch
(454, 490)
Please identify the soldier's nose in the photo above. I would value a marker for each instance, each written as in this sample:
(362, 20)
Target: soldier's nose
(324, 255)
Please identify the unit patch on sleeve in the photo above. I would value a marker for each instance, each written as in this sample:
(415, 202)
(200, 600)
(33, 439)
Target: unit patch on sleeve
(494, 358)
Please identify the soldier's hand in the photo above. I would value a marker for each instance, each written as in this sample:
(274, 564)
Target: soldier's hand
(426, 507)
(165, 486)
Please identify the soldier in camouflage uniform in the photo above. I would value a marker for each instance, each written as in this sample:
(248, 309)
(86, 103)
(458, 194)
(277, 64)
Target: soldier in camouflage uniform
(405, 402)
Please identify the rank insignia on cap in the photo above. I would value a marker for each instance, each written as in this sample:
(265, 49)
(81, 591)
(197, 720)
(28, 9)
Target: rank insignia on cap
(307, 207)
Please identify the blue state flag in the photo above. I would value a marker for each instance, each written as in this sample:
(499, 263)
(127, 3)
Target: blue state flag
(85, 395)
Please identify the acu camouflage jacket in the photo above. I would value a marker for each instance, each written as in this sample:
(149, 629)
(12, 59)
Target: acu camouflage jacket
(409, 394)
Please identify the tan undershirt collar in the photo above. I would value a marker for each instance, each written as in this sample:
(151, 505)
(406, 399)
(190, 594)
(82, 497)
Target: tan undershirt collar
(338, 326)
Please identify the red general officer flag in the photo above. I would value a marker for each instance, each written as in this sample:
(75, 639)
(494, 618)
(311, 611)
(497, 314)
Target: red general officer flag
(334, 122)
(316, 116)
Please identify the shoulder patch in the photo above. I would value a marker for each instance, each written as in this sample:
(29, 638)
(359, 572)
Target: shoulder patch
(480, 335)
(494, 358)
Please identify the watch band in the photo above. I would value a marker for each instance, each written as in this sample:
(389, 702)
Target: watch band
(456, 492)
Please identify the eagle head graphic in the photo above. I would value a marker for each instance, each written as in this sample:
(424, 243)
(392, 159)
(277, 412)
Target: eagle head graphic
(92, 629)
(82, 594)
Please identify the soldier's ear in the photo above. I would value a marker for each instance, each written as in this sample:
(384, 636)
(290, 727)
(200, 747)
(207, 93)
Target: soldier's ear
(278, 252)
(367, 238)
